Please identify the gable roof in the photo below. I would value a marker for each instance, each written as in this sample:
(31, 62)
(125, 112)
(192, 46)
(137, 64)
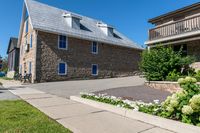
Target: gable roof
(172, 13)
(12, 44)
(50, 19)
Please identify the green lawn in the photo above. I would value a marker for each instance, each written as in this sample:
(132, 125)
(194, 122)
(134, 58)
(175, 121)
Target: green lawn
(20, 117)
(6, 78)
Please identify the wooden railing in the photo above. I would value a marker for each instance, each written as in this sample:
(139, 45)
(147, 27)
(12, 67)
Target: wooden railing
(175, 28)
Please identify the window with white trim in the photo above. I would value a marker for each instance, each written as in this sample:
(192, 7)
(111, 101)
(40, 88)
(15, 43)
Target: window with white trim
(62, 42)
(62, 68)
(94, 47)
(94, 69)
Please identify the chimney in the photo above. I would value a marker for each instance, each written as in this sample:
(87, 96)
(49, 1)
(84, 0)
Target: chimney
(72, 20)
(107, 29)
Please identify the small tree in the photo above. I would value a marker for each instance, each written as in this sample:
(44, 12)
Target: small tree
(4, 64)
(160, 61)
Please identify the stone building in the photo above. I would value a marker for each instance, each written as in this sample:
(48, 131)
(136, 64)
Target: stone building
(179, 28)
(56, 44)
(13, 57)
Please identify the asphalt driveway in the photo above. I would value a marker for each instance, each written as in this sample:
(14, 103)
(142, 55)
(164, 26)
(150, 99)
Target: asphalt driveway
(142, 92)
(69, 88)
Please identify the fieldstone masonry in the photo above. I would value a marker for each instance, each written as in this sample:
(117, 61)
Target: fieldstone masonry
(112, 60)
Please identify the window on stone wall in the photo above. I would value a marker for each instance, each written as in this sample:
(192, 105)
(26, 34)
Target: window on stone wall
(94, 69)
(62, 42)
(62, 68)
(94, 47)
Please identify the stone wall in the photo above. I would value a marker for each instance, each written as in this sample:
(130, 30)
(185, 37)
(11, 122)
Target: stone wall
(112, 60)
(164, 85)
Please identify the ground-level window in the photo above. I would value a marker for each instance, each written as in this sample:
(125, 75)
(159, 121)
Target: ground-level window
(29, 67)
(62, 42)
(94, 69)
(94, 47)
(62, 68)
(182, 47)
(20, 69)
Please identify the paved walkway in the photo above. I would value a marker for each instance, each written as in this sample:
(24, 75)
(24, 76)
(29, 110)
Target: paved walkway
(71, 88)
(81, 118)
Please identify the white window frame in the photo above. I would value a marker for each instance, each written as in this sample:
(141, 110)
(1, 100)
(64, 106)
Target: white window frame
(66, 68)
(29, 66)
(65, 41)
(97, 70)
(97, 46)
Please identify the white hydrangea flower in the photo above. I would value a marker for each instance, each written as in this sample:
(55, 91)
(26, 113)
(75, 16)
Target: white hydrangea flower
(156, 101)
(195, 103)
(187, 110)
(181, 80)
(170, 109)
(174, 103)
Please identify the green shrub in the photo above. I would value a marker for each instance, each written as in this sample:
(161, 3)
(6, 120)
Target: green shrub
(160, 63)
(173, 76)
(185, 104)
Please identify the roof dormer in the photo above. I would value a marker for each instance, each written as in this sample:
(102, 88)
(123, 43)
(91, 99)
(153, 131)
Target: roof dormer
(72, 20)
(107, 29)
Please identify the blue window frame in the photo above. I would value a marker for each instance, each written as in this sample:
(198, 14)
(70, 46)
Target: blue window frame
(94, 47)
(62, 68)
(27, 25)
(29, 67)
(31, 40)
(62, 43)
(94, 69)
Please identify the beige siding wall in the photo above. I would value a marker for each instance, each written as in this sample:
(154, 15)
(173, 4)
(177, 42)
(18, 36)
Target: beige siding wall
(26, 57)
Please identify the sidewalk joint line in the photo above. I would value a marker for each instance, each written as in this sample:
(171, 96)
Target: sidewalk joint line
(147, 129)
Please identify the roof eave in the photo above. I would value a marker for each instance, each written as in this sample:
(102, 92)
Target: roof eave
(169, 14)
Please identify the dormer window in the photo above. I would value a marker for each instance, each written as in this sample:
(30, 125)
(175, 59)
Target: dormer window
(72, 20)
(107, 29)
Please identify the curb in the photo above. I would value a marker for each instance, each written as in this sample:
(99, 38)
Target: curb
(168, 124)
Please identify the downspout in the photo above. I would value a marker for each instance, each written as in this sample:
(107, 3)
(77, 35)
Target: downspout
(35, 77)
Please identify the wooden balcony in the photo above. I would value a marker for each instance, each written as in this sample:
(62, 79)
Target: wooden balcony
(175, 28)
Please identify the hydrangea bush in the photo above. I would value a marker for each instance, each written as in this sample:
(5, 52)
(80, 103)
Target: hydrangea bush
(183, 105)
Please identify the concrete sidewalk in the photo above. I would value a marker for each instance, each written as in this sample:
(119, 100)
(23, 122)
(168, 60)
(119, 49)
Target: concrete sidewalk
(81, 118)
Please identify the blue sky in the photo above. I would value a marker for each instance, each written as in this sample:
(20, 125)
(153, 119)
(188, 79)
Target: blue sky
(128, 16)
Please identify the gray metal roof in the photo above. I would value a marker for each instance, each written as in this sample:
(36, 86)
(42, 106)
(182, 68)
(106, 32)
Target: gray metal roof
(12, 44)
(50, 19)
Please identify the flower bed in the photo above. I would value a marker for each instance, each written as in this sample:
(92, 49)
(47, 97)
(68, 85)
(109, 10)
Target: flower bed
(183, 105)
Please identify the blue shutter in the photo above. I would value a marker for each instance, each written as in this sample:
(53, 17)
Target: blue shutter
(62, 41)
(29, 68)
(94, 47)
(31, 38)
(62, 68)
(27, 25)
(94, 69)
